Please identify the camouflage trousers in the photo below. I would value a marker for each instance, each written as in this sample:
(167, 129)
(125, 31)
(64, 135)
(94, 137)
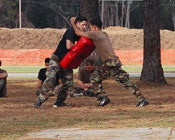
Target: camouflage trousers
(54, 92)
(48, 84)
(112, 67)
(3, 89)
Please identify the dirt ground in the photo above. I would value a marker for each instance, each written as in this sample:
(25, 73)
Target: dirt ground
(18, 116)
(122, 38)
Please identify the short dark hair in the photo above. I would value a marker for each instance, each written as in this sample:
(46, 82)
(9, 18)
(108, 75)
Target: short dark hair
(0, 62)
(47, 60)
(89, 61)
(97, 22)
(80, 19)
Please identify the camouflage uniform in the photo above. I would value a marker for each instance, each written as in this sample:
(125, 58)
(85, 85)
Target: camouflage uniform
(48, 85)
(112, 67)
(56, 89)
(3, 89)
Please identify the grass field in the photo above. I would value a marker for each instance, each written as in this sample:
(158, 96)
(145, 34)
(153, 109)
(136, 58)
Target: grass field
(18, 117)
(35, 69)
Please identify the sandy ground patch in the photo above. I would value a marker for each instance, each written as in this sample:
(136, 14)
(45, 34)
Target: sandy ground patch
(122, 38)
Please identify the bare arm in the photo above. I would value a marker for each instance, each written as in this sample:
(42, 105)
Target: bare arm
(39, 84)
(3, 75)
(85, 86)
(69, 44)
(77, 31)
(81, 84)
(60, 82)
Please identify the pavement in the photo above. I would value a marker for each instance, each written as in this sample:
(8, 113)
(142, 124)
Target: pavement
(105, 134)
(36, 74)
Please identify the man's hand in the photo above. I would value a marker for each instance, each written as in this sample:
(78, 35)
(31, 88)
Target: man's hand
(72, 20)
(87, 85)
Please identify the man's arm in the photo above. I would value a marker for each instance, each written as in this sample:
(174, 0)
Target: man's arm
(77, 31)
(3, 75)
(81, 84)
(39, 84)
(69, 44)
(84, 86)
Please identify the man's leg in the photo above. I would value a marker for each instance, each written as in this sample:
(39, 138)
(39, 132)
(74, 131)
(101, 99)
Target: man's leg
(56, 90)
(123, 78)
(49, 83)
(102, 73)
(96, 79)
(67, 86)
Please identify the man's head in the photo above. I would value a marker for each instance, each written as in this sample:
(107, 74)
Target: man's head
(95, 24)
(81, 23)
(89, 65)
(47, 62)
(0, 62)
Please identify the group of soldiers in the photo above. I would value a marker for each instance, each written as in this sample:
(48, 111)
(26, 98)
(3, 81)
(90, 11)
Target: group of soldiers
(111, 66)
(84, 86)
(56, 80)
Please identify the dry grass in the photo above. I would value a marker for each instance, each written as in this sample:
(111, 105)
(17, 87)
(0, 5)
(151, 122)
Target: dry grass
(17, 115)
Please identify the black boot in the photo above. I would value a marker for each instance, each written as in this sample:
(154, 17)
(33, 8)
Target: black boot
(38, 103)
(142, 103)
(104, 100)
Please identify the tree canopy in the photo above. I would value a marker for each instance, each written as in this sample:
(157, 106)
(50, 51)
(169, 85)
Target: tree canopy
(56, 13)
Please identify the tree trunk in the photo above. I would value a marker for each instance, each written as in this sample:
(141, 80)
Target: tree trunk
(127, 22)
(116, 14)
(173, 16)
(102, 11)
(152, 69)
(123, 13)
(106, 14)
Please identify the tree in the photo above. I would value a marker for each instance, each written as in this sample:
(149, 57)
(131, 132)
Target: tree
(8, 13)
(152, 69)
(50, 13)
(167, 14)
(172, 9)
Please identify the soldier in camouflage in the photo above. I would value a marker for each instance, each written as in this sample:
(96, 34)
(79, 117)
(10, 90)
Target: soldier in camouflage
(3, 77)
(42, 78)
(111, 65)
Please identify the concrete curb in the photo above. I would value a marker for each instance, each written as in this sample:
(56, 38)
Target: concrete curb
(106, 134)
